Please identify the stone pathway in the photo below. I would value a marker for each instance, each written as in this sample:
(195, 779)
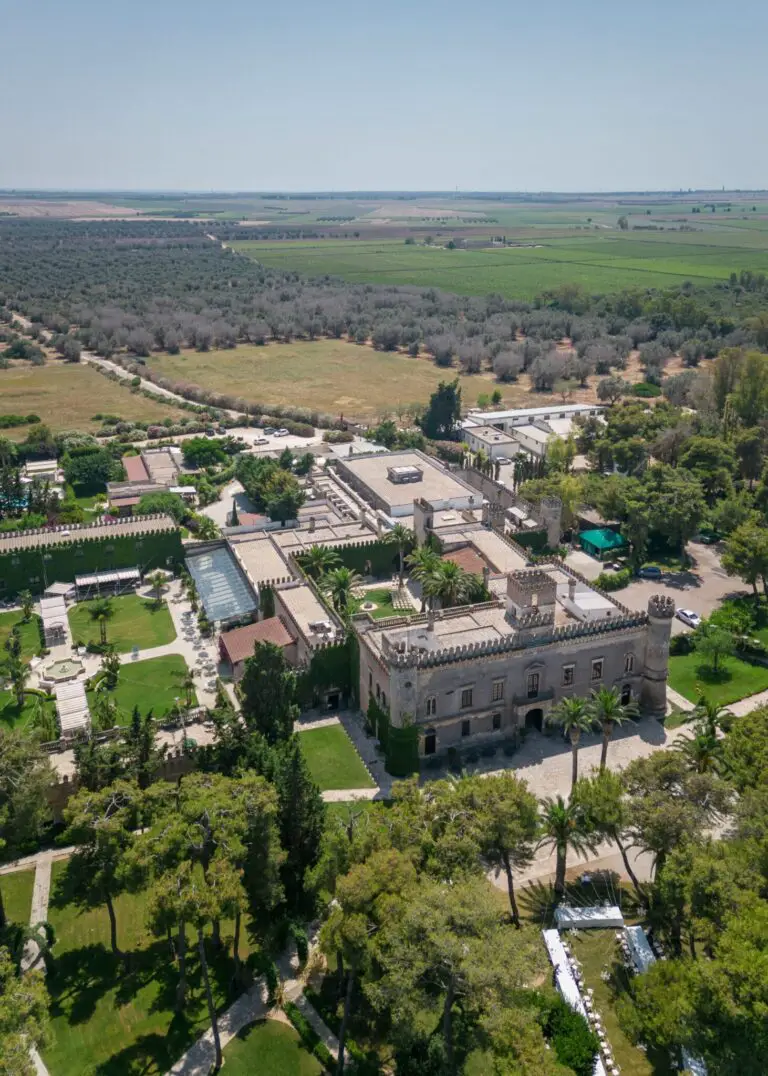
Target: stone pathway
(251, 1006)
(309, 723)
(41, 893)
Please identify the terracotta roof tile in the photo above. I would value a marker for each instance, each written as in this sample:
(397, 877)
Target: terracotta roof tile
(238, 644)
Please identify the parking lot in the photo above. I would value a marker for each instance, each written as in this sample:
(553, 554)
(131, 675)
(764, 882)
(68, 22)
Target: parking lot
(700, 588)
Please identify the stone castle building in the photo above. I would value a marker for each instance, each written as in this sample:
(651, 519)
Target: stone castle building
(483, 672)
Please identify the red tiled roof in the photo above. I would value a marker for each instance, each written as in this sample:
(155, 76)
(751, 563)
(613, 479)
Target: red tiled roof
(135, 471)
(468, 559)
(238, 644)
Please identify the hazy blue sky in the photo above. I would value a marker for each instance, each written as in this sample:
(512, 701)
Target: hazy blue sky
(408, 94)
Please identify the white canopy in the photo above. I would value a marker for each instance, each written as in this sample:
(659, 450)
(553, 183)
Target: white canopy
(642, 954)
(597, 916)
(565, 982)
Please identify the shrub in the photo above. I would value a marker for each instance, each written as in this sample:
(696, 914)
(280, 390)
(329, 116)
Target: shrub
(646, 389)
(338, 437)
(681, 644)
(302, 941)
(614, 580)
(575, 1045)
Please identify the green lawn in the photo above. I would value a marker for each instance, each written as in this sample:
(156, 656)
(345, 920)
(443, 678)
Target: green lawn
(11, 715)
(109, 1022)
(382, 598)
(30, 634)
(597, 949)
(269, 1048)
(17, 895)
(736, 679)
(136, 622)
(153, 684)
(332, 759)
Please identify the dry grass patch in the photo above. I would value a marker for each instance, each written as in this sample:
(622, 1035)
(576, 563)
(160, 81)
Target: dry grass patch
(66, 396)
(334, 376)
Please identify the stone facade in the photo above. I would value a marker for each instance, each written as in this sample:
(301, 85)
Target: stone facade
(487, 690)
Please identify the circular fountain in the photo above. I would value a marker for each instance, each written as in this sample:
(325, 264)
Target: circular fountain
(63, 669)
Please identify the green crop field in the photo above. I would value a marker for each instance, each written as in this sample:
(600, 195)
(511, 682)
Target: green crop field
(600, 259)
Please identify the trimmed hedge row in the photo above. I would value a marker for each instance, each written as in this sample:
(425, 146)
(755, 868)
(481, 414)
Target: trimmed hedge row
(308, 1035)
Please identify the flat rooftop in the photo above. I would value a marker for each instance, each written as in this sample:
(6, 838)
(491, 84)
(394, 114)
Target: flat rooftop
(436, 483)
(301, 538)
(304, 608)
(489, 435)
(260, 558)
(533, 432)
(492, 548)
(81, 532)
(477, 624)
(525, 414)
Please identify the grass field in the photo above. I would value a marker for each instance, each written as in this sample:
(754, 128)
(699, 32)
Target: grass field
(382, 599)
(736, 680)
(136, 622)
(597, 949)
(601, 262)
(332, 760)
(17, 895)
(13, 717)
(329, 375)
(66, 396)
(269, 1048)
(154, 685)
(109, 1022)
(30, 635)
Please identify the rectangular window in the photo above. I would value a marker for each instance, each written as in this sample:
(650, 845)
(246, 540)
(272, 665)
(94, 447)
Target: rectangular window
(597, 669)
(568, 671)
(496, 720)
(465, 728)
(533, 685)
(629, 663)
(378, 692)
(370, 680)
(383, 700)
(431, 705)
(466, 697)
(497, 693)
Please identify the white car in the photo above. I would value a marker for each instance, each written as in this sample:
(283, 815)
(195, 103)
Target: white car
(688, 617)
(282, 433)
(261, 441)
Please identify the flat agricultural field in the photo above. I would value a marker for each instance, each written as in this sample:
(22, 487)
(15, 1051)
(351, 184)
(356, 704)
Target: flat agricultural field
(601, 260)
(329, 375)
(66, 396)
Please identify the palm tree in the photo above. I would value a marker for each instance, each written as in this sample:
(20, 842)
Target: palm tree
(188, 686)
(43, 720)
(402, 537)
(27, 604)
(101, 611)
(320, 559)
(607, 709)
(338, 586)
(423, 563)
(450, 583)
(573, 716)
(157, 582)
(564, 828)
(714, 716)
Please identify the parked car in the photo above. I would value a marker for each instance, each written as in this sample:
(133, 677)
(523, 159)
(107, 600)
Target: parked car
(261, 441)
(688, 617)
(650, 572)
(502, 459)
(269, 429)
(282, 432)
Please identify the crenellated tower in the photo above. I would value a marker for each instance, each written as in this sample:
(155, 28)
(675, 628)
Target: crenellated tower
(653, 692)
